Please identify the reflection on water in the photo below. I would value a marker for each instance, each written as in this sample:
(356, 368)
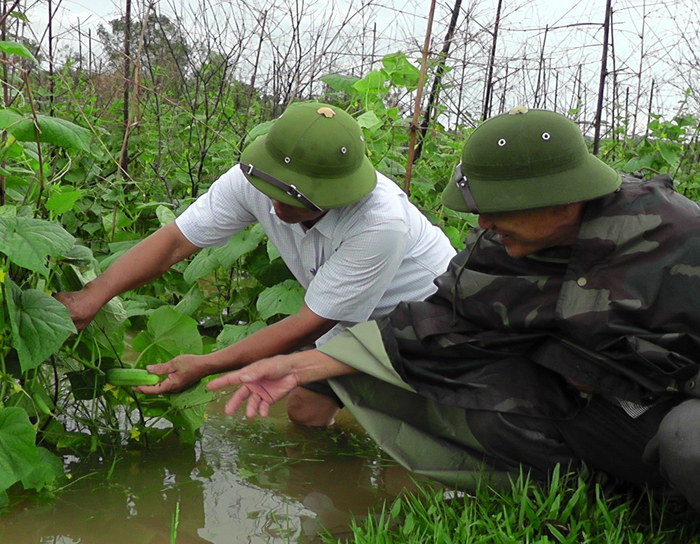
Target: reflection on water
(261, 481)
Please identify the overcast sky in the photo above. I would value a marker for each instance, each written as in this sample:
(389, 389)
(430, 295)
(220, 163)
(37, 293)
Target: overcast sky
(671, 27)
(411, 15)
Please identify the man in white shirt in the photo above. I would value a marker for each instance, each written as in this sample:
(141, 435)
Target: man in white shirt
(347, 233)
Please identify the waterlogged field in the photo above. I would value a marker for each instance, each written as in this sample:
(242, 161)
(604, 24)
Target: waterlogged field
(261, 481)
(272, 482)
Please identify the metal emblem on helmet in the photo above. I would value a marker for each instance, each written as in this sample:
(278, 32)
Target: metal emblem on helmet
(326, 112)
(517, 110)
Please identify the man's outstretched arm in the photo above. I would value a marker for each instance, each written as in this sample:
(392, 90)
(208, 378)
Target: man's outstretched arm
(290, 334)
(267, 381)
(143, 263)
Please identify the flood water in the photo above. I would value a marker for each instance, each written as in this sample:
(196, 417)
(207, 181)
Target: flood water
(258, 481)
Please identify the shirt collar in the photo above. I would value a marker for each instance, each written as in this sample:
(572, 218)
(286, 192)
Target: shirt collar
(323, 226)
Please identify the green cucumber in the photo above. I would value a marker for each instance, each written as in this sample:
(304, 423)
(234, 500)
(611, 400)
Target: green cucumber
(131, 376)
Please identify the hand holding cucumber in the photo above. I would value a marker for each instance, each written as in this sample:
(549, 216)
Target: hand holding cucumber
(171, 377)
(174, 376)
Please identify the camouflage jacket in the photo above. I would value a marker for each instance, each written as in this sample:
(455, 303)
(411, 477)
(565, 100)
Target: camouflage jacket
(619, 311)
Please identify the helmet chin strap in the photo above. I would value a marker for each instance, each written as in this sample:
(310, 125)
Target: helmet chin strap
(290, 190)
(462, 183)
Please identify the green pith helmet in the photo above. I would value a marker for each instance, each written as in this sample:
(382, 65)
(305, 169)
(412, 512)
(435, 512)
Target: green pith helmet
(526, 159)
(319, 150)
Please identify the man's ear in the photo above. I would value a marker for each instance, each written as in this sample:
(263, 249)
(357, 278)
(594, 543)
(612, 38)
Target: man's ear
(573, 212)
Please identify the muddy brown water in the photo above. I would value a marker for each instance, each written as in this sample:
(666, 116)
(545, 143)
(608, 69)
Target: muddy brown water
(259, 481)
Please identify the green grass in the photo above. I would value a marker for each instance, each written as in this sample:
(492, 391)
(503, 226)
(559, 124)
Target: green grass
(566, 510)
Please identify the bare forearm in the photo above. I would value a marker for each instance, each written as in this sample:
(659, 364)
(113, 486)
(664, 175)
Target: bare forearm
(312, 365)
(275, 377)
(286, 336)
(146, 261)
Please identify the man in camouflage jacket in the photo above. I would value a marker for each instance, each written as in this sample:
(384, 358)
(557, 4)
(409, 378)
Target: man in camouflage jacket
(567, 332)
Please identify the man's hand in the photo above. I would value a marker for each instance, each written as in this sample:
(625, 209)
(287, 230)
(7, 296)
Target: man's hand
(268, 380)
(181, 371)
(263, 383)
(82, 305)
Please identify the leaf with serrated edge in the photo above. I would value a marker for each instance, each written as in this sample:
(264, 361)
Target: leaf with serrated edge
(284, 298)
(40, 324)
(18, 453)
(27, 242)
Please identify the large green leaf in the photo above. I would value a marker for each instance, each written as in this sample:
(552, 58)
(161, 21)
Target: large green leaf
(40, 324)
(402, 73)
(165, 215)
(14, 48)
(18, 452)
(240, 243)
(669, 151)
(111, 315)
(169, 333)
(638, 163)
(272, 252)
(233, 333)
(369, 120)
(340, 82)
(205, 262)
(372, 83)
(52, 130)
(46, 471)
(115, 221)
(107, 329)
(284, 298)
(63, 199)
(191, 301)
(190, 411)
(259, 130)
(27, 241)
(209, 259)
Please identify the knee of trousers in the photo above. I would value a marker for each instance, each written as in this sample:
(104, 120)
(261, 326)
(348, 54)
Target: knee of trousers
(678, 442)
(516, 441)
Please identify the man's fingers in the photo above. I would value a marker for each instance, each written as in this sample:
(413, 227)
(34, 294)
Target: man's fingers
(236, 400)
(232, 378)
(165, 386)
(253, 404)
(161, 369)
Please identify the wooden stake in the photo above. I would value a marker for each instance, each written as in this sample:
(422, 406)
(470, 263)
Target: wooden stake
(419, 95)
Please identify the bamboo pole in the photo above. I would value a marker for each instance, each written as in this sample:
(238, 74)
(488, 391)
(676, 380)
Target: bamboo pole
(650, 108)
(5, 94)
(642, 50)
(437, 80)
(488, 91)
(603, 76)
(51, 67)
(251, 91)
(539, 86)
(124, 155)
(419, 95)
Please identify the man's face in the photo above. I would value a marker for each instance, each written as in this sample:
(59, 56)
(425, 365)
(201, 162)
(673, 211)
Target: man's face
(528, 231)
(294, 214)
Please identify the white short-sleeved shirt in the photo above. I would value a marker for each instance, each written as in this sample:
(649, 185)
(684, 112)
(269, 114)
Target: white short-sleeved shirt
(356, 263)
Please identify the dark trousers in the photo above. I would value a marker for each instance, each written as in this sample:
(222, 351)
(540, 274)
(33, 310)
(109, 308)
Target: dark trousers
(660, 448)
